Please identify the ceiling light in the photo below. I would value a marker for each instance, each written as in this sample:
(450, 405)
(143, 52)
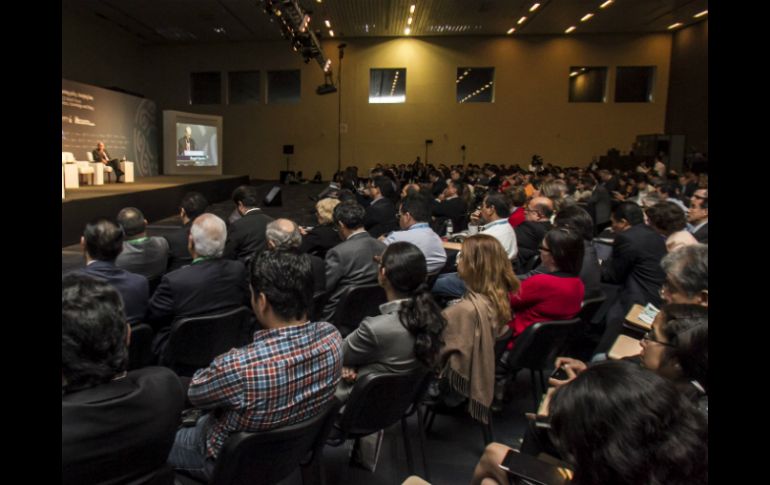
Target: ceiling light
(534, 7)
(570, 29)
(328, 24)
(411, 9)
(606, 4)
(673, 26)
(573, 73)
(586, 17)
(511, 30)
(331, 33)
(409, 21)
(699, 15)
(278, 13)
(407, 31)
(522, 20)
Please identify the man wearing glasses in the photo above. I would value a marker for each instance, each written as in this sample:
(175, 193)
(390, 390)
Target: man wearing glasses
(698, 216)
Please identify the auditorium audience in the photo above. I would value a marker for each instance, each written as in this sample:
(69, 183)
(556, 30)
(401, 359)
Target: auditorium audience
(407, 335)
(324, 236)
(380, 216)
(666, 218)
(350, 263)
(193, 204)
(476, 322)
(102, 242)
(144, 255)
(598, 204)
(210, 284)
(413, 217)
(284, 235)
(286, 375)
(117, 426)
(452, 205)
(518, 200)
(246, 235)
(530, 232)
(698, 216)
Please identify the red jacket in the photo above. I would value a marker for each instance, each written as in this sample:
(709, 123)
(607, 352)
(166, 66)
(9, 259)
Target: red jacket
(543, 298)
(516, 217)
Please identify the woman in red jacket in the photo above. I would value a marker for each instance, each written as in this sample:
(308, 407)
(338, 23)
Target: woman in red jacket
(557, 294)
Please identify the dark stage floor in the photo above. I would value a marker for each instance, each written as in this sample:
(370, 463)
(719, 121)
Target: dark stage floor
(141, 184)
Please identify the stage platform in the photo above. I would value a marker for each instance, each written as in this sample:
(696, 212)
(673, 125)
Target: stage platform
(158, 197)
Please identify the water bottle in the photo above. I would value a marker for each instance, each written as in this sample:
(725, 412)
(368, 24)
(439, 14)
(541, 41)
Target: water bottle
(449, 228)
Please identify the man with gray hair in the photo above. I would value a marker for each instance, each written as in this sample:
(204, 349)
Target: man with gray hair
(687, 275)
(211, 284)
(284, 235)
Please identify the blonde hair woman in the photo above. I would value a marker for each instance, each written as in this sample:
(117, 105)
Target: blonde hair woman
(477, 321)
(324, 236)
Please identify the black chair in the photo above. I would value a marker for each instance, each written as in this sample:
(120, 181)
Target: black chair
(537, 348)
(379, 400)
(585, 336)
(589, 308)
(355, 304)
(319, 302)
(268, 457)
(140, 349)
(194, 342)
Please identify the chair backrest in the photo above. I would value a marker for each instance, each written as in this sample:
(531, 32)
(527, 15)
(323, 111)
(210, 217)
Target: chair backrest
(140, 349)
(90, 156)
(378, 400)
(67, 157)
(540, 343)
(270, 456)
(319, 302)
(589, 308)
(195, 341)
(355, 304)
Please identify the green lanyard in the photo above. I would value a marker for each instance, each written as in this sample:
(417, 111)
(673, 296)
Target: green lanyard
(140, 240)
(200, 258)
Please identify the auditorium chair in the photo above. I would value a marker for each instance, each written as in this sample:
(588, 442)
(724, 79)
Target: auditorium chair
(106, 168)
(355, 304)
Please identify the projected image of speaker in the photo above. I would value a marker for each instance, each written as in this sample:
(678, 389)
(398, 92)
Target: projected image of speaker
(273, 198)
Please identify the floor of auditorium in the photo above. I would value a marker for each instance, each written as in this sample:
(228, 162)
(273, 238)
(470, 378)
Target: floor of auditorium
(454, 444)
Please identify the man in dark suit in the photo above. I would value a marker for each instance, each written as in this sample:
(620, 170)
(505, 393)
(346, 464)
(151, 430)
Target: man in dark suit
(698, 215)
(599, 204)
(246, 236)
(350, 263)
(284, 235)
(193, 204)
(438, 184)
(634, 265)
(117, 426)
(102, 242)
(101, 155)
(142, 254)
(187, 142)
(451, 205)
(211, 284)
(609, 181)
(380, 217)
(530, 233)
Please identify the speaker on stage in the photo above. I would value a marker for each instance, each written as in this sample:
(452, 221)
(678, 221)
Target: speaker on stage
(273, 198)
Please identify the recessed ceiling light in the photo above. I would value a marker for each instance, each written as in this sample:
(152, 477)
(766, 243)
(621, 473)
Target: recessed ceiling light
(409, 21)
(586, 17)
(407, 31)
(534, 7)
(573, 73)
(511, 30)
(606, 4)
(570, 29)
(328, 24)
(699, 15)
(673, 26)
(411, 9)
(331, 33)
(522, 20)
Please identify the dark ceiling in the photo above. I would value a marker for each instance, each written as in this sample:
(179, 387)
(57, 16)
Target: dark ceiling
(203, 21)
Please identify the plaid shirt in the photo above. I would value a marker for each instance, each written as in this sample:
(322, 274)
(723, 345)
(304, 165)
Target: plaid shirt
(284, 376)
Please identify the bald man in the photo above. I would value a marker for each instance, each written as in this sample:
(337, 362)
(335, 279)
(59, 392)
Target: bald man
(284, 235)
(530, 233)
(101, 155)
(187, 142)
(209, 285)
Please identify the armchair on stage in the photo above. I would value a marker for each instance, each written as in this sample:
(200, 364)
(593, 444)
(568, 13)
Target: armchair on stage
(91, 172)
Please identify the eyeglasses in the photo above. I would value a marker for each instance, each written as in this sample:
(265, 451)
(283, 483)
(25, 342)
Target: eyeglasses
(650, 337)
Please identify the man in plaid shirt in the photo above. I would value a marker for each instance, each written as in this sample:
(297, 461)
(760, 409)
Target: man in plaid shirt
(286, 375)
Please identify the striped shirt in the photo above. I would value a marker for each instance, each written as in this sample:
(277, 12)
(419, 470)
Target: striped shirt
(284, 376)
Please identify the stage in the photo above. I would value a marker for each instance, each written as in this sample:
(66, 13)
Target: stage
(158, 197)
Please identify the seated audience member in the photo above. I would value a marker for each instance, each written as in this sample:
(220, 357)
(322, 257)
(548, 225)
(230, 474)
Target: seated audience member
(407, 334)
(350, 263)
(518, 201)
(286, 375)
(660, 438)
(438, 183)
(324, 236)
(634, 265)
(193, 204)
(284, 235)
(577, 219)
(477, 321)
(210, 285)
(669, 193)
(380, 217)
(556, 191)
(413, 218)
(698, 216)
(102, 243)
(147, 256)
(117, 426)
(599, 203)
(686, 275)
(680, 239)
(410, 189)
(530, 233)
(451, 205)
(666, 218)
(556, 294)
(246, 236)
